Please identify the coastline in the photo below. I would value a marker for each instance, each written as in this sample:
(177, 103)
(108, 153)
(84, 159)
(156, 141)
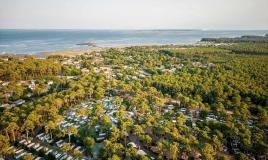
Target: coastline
(89, 51)
(204, 42)
(99, 49)
(43, 43)
(68, 52)
(79, 52)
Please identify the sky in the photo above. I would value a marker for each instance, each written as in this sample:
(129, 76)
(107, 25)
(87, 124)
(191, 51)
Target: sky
(134, 14)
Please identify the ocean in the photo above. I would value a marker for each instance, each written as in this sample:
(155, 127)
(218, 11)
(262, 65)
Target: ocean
(37, 41)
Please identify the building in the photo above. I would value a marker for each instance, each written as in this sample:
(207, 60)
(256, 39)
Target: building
(19, 102)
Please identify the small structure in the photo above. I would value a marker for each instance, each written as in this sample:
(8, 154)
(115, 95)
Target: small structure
(64, 156)
(84, 70)
(22, 141)
(58, 155)
(19, 102)
(141, 152)
(7, 106)
(50, 82)
(60, 143)
(36, 146)
(7, 95)
(183, 110)
(5, 84)
(39, 148)
(30, 145)
(49, 151)
(132, 145)
(130, 114)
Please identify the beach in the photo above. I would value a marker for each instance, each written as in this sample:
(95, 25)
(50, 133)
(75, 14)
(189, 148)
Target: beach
(34, 42)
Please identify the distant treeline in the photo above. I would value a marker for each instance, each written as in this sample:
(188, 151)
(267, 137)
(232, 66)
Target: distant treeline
(243, 39)
(242, 48)
(249, 48)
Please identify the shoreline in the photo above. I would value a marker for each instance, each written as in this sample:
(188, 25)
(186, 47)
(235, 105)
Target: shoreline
(202, 42)
(97, 49)
(128, 40)
(79, 52)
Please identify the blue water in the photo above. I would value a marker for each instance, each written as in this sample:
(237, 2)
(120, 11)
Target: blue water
(37, 41)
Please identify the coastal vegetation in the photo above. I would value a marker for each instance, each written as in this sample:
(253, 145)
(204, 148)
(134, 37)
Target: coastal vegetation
(14, 69)
(249, 48)
(242, 39)
(144, 102)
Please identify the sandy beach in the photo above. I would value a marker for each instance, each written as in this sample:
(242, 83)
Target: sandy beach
(81, 52)
(70, 52)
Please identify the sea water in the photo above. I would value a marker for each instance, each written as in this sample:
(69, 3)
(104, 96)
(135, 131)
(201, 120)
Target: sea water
(38, 41)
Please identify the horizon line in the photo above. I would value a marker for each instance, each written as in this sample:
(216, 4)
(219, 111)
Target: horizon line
(124, 29)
